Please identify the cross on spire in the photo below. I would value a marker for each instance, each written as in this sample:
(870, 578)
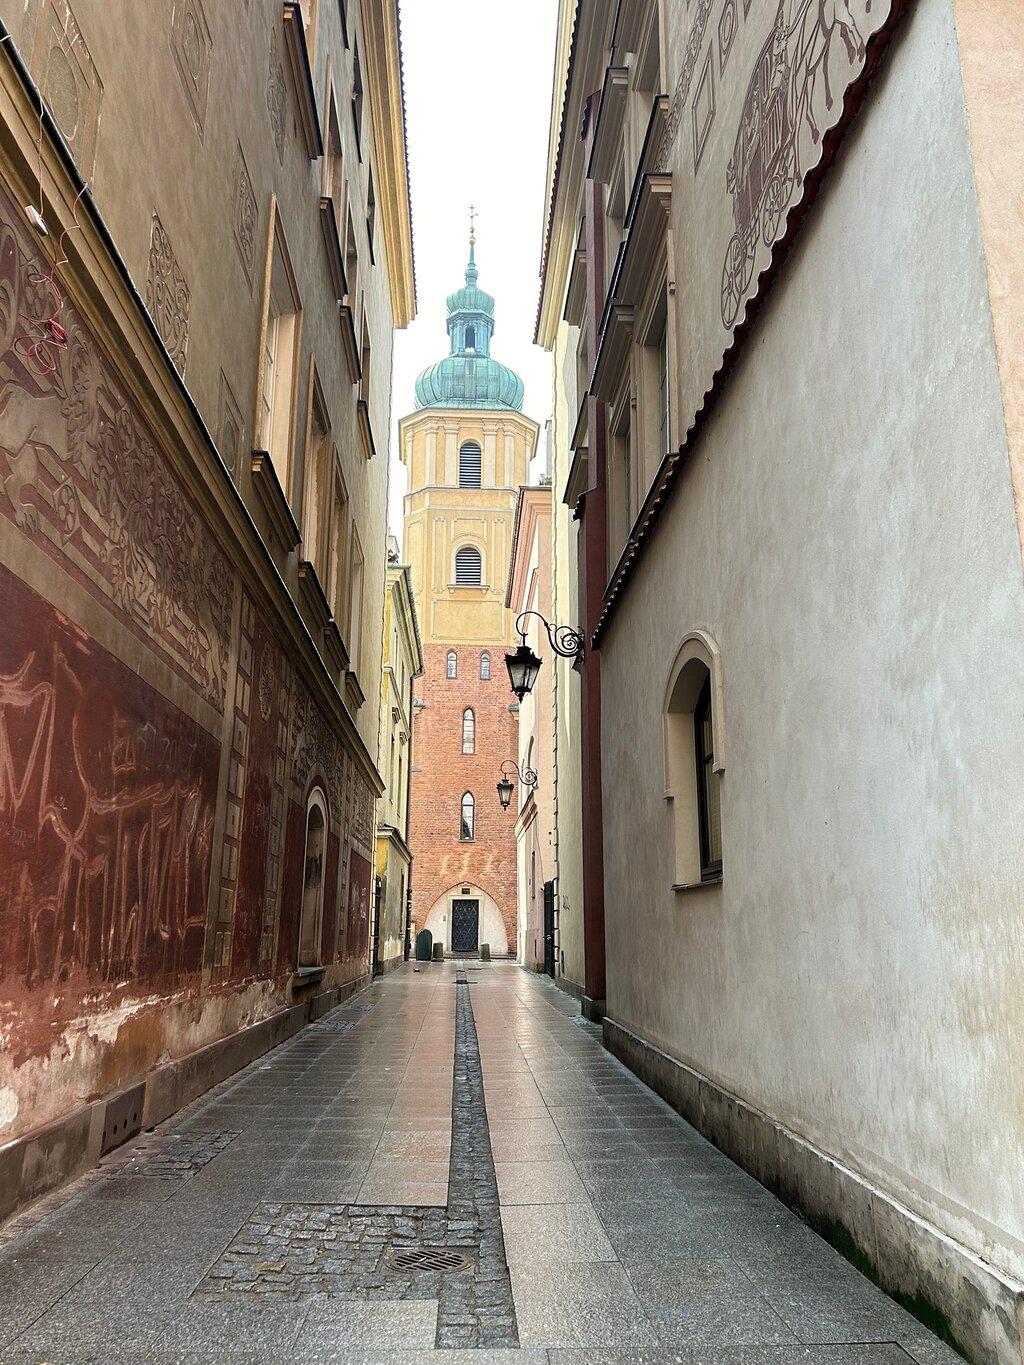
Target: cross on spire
(472, 224)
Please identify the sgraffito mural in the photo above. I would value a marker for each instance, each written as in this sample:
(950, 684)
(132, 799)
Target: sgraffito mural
(107, 796)
(759, 86)
(83, 477)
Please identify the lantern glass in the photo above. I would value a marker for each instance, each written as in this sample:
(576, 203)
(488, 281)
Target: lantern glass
(505, 790)
(523, 667)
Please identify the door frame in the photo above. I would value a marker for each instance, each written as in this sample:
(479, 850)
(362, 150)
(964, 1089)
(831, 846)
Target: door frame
(464, 900)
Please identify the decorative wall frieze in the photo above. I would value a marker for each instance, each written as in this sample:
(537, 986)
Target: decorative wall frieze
(83, 477)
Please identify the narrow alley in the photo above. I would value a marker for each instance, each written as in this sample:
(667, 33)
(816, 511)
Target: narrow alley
(448, 1160)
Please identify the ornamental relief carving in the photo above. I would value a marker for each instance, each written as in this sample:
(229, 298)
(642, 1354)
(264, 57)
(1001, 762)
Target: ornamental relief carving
(167, 295)
(65, 72)
(246, 215)
(190, 41)
(276, 97)
(83, 478)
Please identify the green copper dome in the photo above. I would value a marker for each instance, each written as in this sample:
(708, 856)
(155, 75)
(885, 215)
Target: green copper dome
(469, 377)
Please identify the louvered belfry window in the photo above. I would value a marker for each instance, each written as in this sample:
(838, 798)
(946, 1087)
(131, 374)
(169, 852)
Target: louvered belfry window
(469, 465)
(468, 567)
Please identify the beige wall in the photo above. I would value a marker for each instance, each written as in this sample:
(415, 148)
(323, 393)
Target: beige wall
(530, 590)
(847, 536)
(440, 517)
(402, 662)
(565, 698)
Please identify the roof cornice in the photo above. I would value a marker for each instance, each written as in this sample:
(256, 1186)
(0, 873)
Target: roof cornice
(383, 58)
(586, 60)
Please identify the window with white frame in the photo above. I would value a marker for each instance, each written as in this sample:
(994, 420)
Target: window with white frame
(316, 482)
(355, 616)
(468, 731)
(279, 363)
(485, 666)
(333, 185)
(467, 821)
(311, 907)
(339, 534)
(453, 664)
(694, 763)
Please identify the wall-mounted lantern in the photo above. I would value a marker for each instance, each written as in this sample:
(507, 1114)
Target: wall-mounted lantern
(506, 786)
(523, 665)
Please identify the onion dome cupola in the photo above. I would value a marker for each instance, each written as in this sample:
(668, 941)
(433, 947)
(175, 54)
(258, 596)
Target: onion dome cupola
(468, 376)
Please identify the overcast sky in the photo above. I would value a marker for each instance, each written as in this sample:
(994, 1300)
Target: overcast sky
(477, 93)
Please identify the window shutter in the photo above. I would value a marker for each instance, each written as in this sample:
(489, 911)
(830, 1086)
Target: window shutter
(469, 465)
(468, 567)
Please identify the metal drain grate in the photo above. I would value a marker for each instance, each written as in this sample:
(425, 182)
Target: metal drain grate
(432, 1259)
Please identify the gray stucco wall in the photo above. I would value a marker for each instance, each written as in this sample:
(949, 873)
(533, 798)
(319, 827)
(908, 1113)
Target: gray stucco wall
(846, 533)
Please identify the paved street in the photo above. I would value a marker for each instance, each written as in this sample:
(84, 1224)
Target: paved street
(449, 1160)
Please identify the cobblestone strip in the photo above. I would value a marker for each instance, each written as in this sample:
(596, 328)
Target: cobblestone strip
(345, 1251)
(477, 1310)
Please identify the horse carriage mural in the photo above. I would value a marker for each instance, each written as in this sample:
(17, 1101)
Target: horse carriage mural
(778, 110)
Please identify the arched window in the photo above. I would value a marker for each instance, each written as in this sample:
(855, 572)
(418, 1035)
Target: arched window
(468, 824)
(694, 760)
(709, 787)
(468, 732)
(313, 881)
(470, 338)
(469, 464)
(468, 567)
(453, 664)
(485, 665)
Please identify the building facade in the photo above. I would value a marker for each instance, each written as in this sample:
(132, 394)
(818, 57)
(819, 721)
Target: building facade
(467, 448)
(196, 326)
(403, 663)
(529, 592)
(779, 288)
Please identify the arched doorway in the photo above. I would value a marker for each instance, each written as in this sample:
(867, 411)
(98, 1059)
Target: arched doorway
(311, 913)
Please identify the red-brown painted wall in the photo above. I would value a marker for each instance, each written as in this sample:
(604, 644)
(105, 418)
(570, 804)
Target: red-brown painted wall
(114, 780)
(107, 798)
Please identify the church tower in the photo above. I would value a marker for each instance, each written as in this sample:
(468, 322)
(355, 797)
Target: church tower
(467, 448)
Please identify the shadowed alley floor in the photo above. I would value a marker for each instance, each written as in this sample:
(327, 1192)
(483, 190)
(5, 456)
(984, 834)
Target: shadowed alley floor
(448, 1163)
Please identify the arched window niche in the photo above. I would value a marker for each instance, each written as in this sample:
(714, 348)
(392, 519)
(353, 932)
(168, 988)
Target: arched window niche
(695, 760)
(468, 731)
(468, 567)
(467, 820)
(311, 911)
(452, 668)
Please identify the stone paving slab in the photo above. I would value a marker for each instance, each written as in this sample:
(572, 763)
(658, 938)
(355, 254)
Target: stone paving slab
(600, 1228)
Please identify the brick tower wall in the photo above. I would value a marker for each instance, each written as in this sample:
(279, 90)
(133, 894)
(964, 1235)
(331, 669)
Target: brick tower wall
(442, 773)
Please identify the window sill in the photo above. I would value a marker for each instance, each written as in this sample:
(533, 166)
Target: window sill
(354, 694)
(332, 243)
(365, 430)
(307, 976)
(698, 886)
(271, 494)
(334, 646)
(302, 77)
(349, 344)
